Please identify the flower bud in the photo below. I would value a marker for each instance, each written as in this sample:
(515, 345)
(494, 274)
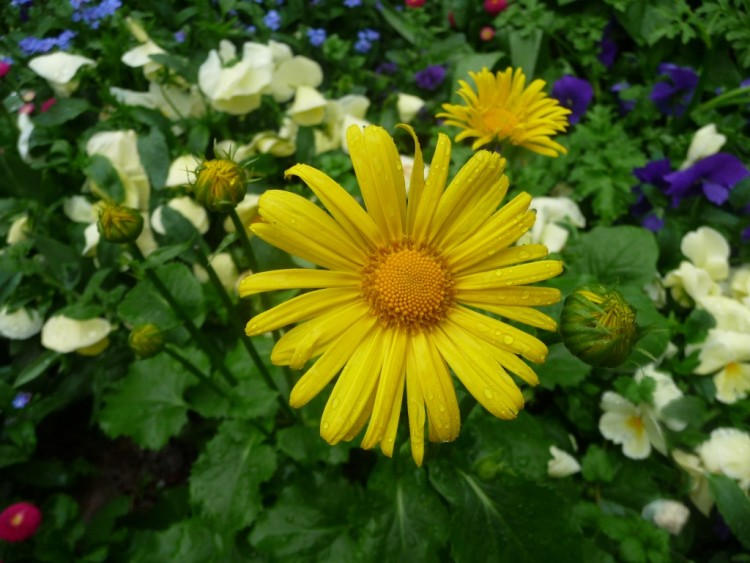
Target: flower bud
(120, 224)
(494, 7)
(146, 340)
(598, 326)
(19, 522)
(221, 185)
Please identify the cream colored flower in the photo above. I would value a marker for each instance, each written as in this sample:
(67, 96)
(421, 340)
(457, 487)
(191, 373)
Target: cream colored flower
(121, 148)
(630, 426)
(728, 313)
(732, 382)
(664, 393)
(689, 284)
(740, 285)
(19, 228)
(88, 337)
(186, 207)
(707, 141)
(551, 213)
(79, 209)
(60, 69)
(21, 324)
(140, 56)
(707, 249)
(727, 451)
(667, 514)
(309, 107)
(408, 107)
(282, 143)
(700, 493)
(562, 464)
(341, 113)
(293, 73)
(236, 89)
(407, 162)
(247, 210)
(182, 171)
(226, 271)
(25, 128)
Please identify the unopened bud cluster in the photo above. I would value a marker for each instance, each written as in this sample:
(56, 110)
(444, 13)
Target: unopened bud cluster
(220, 185)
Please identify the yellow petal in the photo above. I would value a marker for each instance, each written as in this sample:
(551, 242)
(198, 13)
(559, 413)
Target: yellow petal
(342, 206)
(380, 177)
(513, 275)
(415, 404)
(296, 279)
(506, 256)
(437, 387)
(525, 315)
(510, 295)
(433, 189)
(416, 183)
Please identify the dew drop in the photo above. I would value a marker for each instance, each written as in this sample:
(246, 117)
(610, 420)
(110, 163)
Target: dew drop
(335, 404)
(488, 393)
(325, 426)
(525, 295)
(508, 339)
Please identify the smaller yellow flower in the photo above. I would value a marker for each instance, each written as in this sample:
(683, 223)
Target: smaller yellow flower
(503, 108)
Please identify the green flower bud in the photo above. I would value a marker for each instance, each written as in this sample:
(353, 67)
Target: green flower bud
(146, 340)
(120, 224)
(598, 326)
(221, 185)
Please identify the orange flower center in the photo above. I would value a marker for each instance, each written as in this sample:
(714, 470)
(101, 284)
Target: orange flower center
(17, 520)
(408, 286)
(500, 121)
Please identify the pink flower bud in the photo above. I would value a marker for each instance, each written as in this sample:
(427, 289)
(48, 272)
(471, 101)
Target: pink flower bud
(414, 3)
(46, 104)
(494, 7)
(4, 68)
(487, 33)
(19, 522)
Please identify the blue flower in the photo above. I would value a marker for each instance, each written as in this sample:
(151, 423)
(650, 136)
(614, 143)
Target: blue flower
(35, 46)
(179, 36)
(365, 39)
(352, 3)
(673, 97)
(316, 36)
(607, 46)
(715, 176)
(21, 400)
(93, 14)
(626, 106)
(575, 94)
(272, 20)
(430, 77)
(653, 173)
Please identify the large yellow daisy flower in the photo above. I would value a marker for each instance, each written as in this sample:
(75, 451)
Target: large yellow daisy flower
(501, 108)
(396, 304)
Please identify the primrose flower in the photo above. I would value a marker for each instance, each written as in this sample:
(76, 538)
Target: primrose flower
(575, 94)
(715, 176)
(551, 212)
(5, 67)
(21, 324)
(60, 69)
(673, 96)
(503, 108)
(236, 89)
(727, 451)
(87, 337)
(707, 141)
(408, 107)
(19, 522)
(394, 305)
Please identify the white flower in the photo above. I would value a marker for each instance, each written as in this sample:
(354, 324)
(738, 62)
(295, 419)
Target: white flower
(408, 107)
(281, 143)
(628, 425)
(664, 393)
(140, 56)
(236, 89)
(700, 493)
(707, 141)
(309, 107)
(550, 213)
(247, 210)
(740, 285)
(732, 383)
(182, 171)
(350, 109)
(407, 162)
(667, 514)
(186, 207)
(293, 73)
(225, 269)
(728, 451)
(20, 324)
(25, 128)
(656, 292)
(729, 352)
(79, 209)
(18, 230)
(728, 313)
(59, 69)
(707, 249)
(63, 334)
(689, 282)
(121, 148)
(562, 464)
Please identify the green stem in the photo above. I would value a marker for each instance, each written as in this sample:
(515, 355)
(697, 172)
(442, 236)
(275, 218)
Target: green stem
(208, 346)
(196, 372)
(237, 322)
(244, 239)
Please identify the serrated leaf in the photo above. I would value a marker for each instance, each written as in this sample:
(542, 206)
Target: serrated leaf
(225, 481)
(507, 519)
(251, 398)
(189, 541)
(148, 404)
(733, 505)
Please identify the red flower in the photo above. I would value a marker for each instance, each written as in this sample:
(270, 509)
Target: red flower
(494, 7)
(487, 33)
(4, 68)
(47, 104)
(19, 522)
(414, 3)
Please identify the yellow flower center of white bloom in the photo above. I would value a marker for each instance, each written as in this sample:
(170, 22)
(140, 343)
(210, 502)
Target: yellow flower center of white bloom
(733, 369)
(636, 424)
(408, 286)
(500, 121)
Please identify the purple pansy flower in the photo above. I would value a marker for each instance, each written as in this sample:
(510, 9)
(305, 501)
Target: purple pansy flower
(673, 97)
(714, 175)
(653, 173)
(575, 94)
(431, 77)
(607, 46)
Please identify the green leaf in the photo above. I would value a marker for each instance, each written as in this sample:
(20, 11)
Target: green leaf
(308, 523)
(410, 522)
(251, 398)
(107, 182)
(400, 24)
(225, 481)
(64, 110)
(524, 50)
(189, 541)
(36, 367)
(148, 403)
(616, 255)
(304, 445)
(561, 369)
(597, 465)
(506, 519)
(733, 505)
(690, 409)
(154, 154)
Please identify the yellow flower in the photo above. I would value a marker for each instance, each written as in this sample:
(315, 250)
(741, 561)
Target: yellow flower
(395, 306)
(501, 108)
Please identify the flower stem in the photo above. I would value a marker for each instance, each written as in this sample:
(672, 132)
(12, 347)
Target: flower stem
(169, 349)
(235, 319)
(208, 346)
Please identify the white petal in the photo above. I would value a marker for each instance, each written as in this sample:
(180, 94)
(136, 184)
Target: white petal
(720, 348)
(728, 451)
(707, 141)
(182, 171)
(247, 210)
(133, 98)
(308, 108)
(728, 313)
(18, 230)
(79, 209)
(59, 69)
(708, 250)
(562, 464)
(186, 207)
(91, 237)
(63, 334)
(408, 107)
(20, 324)
(293, 73)
(690, 282)
(667, 514)
(141, 55)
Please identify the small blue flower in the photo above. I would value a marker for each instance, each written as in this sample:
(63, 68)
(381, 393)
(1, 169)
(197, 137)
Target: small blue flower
(21, 400)
(352, 3)
(272, 20)
(20, 3)
(251, 29)
(93, 14)
(317, 36)
(365, 39)
(179, 36)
